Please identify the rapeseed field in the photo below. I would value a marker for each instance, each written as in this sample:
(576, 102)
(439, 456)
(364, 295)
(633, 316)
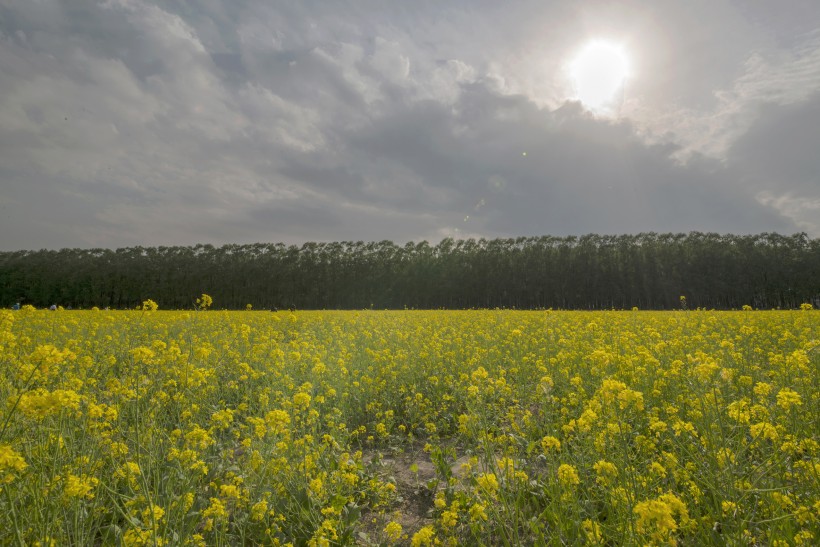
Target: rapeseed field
(156, 427)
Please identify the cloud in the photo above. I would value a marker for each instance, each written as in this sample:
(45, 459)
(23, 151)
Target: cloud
(130, 122)
(778, 158)
(535, 171)
(768, 74)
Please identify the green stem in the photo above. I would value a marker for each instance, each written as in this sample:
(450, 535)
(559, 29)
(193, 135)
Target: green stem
(14, 519)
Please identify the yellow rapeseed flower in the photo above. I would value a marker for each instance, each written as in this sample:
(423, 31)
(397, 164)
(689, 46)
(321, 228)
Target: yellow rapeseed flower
(788, 398)
(258, 510)
(215, 510)
(11, 464)
(424, 537)
(763, 430)
(478, 512)
(79, 487)
(393, 531)
(568, 475)
(550, 443)
(606, 472)
(655, 519)
(301, 400)
(488, 483)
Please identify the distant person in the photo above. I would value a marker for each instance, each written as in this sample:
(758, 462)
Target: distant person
(16, 306)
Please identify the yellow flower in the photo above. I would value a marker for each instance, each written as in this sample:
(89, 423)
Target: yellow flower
(655, 519)
(230, 491)
(478, 512)
(549, 443)
(587, 419)
(130, 471)
(44, 363)
(204, 302)
(678, 507)
(464, 423)
(277, 420)
(41, 403)
(568, 475)
(506, 467)
(153, 514)
(301, 400)
(199, 438)
(258, 510)
(449, 518)
(424, 537)
(680, 427)
(316, 487)
(138, 537)
(215, 510)
(258, 425)
(787, 398)
(79, 487)
(630, 398)
(763, 430)
(606, 471)
(592, 531)
(479, 374)
(393, 531)
(725, 456)
(222, 418)
(658, 470)
(187, 501)
(762, 389)
(488, 483)
(545, 385)
(739, 411)
(142, 354)
(11, 463)
(440, 501)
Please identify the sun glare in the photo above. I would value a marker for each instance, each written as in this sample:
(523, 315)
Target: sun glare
(598, 75)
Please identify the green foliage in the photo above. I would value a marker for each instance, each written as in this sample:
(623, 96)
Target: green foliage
(493, 427)
(647, 271)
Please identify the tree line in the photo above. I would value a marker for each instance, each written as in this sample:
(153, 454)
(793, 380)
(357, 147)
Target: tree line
(647, 270)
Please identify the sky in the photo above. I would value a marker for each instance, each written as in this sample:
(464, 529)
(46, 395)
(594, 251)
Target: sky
(130, 122)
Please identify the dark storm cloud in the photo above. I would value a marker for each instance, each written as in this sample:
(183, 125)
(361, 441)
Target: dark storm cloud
(513, 168)
(780, 149)
(129, 122)
(778, 158)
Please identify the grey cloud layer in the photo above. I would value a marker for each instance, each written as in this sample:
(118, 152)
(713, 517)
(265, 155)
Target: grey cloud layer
(125, 122)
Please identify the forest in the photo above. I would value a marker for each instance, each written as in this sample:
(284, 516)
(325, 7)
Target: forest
(647, 270)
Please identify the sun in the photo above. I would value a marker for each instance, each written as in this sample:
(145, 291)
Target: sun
(599, 73)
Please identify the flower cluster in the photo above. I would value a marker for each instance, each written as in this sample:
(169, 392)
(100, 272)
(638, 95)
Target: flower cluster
(488, 427)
